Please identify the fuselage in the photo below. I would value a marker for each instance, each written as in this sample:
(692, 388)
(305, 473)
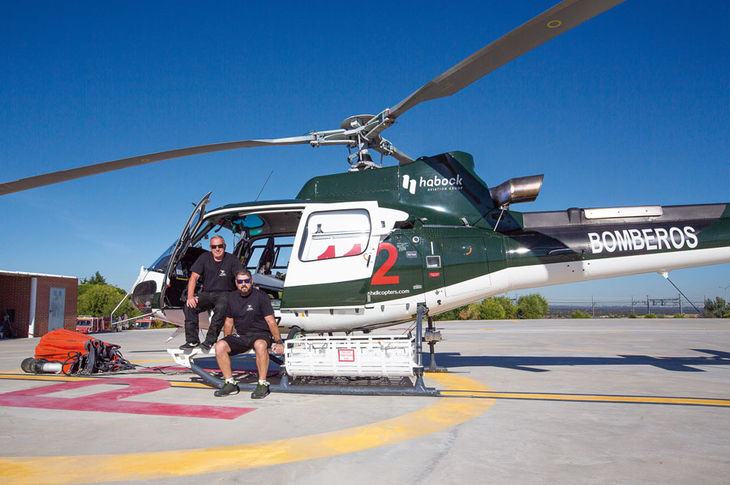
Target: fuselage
(361, 250)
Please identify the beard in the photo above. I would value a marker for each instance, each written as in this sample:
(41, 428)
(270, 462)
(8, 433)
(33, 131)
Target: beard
(246, 292)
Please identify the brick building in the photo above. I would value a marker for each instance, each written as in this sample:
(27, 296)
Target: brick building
(38, 303)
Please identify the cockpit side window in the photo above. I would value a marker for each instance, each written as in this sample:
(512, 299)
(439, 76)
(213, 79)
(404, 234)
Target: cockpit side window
(335, 234)
(275, 260)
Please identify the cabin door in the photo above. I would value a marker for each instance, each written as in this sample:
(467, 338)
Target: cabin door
(334, 254)
(194, 222)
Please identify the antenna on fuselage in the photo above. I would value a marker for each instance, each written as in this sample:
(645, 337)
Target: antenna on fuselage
(262, 187)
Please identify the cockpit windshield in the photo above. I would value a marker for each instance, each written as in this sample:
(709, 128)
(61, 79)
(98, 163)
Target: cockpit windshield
(163, 261)
(261, 238)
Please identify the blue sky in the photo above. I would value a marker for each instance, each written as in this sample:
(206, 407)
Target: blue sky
(630, 108)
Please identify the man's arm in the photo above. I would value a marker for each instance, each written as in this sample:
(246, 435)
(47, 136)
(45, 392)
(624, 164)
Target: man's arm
(228, 327)
(192, 281)
(274, 329)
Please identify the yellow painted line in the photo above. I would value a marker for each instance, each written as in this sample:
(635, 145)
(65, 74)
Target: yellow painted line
(197, 385)
(442, 414)
(590, 398)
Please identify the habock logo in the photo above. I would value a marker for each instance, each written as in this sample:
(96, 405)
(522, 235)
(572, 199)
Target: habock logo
(637, 239)
(433, 183)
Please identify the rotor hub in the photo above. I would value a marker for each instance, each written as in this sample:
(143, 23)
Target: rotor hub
(356, 121)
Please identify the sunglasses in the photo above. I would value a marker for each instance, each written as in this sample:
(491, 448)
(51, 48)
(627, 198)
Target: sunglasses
(217, 246)
(245, 280)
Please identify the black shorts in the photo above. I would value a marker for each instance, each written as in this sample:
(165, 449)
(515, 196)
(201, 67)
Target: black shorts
(243, 343)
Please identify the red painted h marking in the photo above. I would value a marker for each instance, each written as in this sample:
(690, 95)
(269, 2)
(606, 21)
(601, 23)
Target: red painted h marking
(111, 401)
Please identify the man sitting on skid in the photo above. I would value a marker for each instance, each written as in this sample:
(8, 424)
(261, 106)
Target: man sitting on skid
(249, 325)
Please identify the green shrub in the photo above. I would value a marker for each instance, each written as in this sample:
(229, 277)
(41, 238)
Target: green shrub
(650, 315)
(716, 308)
(161, 324)
(632, 315)
(579, 314)
(679, 315)
(471, 312)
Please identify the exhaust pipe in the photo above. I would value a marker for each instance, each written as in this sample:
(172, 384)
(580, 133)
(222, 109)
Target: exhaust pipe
(513, 191)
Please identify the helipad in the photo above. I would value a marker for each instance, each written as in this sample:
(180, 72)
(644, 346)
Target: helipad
(599, 401)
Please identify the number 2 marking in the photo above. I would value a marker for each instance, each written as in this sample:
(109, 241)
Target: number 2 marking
(379, 277)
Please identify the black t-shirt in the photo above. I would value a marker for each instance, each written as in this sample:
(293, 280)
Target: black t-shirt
(248, 312)
(216, 275)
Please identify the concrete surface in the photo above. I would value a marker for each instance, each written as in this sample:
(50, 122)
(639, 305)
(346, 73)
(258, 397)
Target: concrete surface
(544, 401)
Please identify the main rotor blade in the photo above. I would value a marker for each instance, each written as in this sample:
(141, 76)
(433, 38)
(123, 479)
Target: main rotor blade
(85, 171)
(546, 26)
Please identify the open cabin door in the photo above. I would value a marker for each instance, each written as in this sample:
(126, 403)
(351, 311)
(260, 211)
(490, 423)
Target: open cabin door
(183, 242)
(334, 254)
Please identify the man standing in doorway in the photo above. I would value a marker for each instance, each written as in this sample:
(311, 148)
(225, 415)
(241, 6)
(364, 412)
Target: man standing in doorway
(217, 268)
(249, 325)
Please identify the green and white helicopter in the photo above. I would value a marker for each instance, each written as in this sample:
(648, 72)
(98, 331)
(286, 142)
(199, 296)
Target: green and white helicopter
(362, 249)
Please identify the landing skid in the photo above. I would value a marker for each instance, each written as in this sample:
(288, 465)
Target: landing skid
(341, 385)
(405, 387)
(178, 331)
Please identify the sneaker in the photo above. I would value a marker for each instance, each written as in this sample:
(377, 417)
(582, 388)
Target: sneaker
(227, 389)
(188, 346)
(261, 391)
(205, 347)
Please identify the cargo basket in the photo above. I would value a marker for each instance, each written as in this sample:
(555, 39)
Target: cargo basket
(361, 356)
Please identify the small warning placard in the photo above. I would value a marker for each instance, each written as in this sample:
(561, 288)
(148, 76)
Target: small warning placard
(346, 355)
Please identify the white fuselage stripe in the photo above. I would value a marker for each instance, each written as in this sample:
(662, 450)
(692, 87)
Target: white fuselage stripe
(508, 279)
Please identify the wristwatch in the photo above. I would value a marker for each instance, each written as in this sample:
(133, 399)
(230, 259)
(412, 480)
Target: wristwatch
(280, 341)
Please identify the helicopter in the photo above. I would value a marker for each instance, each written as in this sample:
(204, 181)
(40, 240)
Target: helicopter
(360, 250)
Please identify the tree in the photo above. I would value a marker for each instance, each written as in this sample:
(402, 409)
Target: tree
(716, 309)
(449, 315)
(510, 310)
(96, 279)
(493, 308)
(532, 306)
(98, 300)
(490, 309)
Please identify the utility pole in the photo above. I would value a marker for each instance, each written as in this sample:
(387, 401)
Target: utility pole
(593, 307)
(679, 298)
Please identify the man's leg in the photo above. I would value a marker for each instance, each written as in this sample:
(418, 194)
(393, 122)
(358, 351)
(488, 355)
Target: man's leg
(219, 302)
(261, 347)
(191, 327)
(262, 358)
(223, 357)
